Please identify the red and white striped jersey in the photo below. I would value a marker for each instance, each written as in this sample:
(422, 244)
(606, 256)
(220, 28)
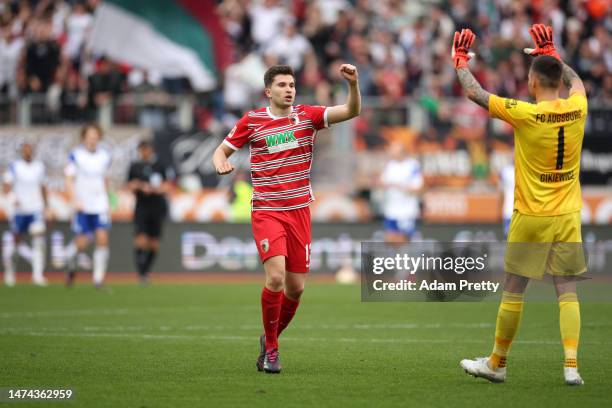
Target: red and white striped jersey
(281, 154)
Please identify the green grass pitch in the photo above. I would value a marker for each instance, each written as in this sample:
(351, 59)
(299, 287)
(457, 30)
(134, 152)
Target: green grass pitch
(196, 345)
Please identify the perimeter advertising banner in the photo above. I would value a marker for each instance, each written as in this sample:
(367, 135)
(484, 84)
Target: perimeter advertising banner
(229, 248)
(596, 161)
(202, 196)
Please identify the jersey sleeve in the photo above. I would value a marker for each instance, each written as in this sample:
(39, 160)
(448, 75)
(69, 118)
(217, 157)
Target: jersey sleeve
(109, 161)
(579, 101)
(131, 172)
(70, 169)
(318, 115)
(9, 175)
(385, 174)
(416, 177)
(509, 110)
(502, 176)
(239, 135)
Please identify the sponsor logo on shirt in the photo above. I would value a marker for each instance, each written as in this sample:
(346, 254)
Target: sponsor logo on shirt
(510, 103)
(281, 141)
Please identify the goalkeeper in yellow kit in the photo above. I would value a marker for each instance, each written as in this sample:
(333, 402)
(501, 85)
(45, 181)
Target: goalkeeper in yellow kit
(545, 231)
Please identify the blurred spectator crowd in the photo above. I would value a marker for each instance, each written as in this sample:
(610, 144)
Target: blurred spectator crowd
(402, 51)
(44, 55)
(401, 48)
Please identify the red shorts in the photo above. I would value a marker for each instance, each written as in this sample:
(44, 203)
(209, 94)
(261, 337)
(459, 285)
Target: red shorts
(284, 233)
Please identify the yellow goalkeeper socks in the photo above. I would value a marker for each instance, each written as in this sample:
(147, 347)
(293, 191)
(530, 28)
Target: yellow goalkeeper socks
(569, 322)
(508, 320)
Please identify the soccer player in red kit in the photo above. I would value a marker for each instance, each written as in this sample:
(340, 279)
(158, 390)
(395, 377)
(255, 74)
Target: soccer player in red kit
(281, 138)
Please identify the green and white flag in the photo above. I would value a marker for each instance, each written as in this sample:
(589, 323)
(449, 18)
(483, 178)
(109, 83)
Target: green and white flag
(176, 38)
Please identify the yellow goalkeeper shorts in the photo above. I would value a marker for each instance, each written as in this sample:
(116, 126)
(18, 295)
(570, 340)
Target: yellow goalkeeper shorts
(551, 244)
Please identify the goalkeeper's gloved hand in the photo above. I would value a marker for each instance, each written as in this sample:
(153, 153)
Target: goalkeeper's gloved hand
(543, 38)
(461, 48)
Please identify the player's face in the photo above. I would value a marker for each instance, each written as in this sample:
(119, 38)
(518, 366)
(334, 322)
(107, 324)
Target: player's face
(146, 152)
(27, 151)
(91, 139)
(282, 91)
(396, 150)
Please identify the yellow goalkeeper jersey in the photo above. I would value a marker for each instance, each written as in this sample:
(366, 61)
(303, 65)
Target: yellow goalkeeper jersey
(547, 146)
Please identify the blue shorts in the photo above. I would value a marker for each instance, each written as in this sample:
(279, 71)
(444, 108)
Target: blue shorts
(20, 224)
(406, 226)
(86, 224)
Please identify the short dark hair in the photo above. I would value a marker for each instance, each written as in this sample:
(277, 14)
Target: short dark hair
(275, 70)
(145, 143)
(548, 69)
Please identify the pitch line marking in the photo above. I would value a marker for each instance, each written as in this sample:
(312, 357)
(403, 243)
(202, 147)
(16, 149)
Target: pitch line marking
(253, 327)
(249, 327)
(251, 338)
(90, 312)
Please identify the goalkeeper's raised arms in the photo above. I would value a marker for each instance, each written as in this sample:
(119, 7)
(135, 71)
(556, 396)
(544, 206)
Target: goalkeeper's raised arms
(460, 51)
(461, 54)
(542, 36)
(572, 81)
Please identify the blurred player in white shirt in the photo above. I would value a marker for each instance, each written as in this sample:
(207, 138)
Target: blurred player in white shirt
(403, 181)
(24, 183)
(506, 183)
(87, 187)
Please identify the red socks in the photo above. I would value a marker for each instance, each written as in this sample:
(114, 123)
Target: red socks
(288, 308)
(277, 311)
(270, 310)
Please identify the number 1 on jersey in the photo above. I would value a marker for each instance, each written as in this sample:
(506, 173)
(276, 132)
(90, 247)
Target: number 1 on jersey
(560, 147)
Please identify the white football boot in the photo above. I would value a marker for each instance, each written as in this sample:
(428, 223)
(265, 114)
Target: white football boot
(572, 377)
(479, 367)
(40, 282)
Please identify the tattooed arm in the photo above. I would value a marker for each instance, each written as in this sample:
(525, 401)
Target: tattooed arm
(572, 80)
(472, 88)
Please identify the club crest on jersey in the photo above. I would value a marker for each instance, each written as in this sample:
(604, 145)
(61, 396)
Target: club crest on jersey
(264, 244)
(294, 119)
(281, 141)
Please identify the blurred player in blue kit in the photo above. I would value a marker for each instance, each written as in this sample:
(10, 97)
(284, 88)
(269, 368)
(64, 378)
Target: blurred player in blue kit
(24, 183)
(402, 180)
(87, 187)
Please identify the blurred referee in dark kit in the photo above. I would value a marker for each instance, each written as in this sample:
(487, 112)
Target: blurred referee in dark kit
(150, 181)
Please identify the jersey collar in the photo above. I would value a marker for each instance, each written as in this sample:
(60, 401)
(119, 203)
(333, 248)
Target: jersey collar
(269, 112)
